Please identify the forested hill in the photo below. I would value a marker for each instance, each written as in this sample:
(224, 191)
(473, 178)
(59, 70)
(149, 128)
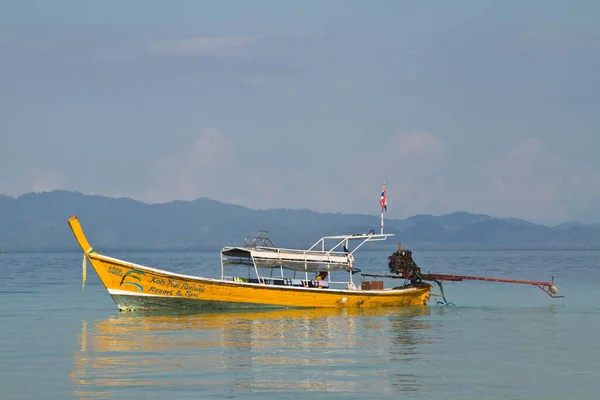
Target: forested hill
(37, 221)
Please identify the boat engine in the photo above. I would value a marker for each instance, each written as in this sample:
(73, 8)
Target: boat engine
(401, 263)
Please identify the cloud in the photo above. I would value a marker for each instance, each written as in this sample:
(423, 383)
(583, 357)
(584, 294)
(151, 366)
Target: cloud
(201, 171)
(423, 176)
(44, 180)
(526, 181)
(413, 166)
(417, 170)
(418, 142)
(199, 46)
(530, 181)
(211, 167)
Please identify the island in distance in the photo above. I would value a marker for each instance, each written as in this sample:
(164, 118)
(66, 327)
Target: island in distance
(37, 222)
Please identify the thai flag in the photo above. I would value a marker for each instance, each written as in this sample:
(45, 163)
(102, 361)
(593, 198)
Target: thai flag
(383, 200)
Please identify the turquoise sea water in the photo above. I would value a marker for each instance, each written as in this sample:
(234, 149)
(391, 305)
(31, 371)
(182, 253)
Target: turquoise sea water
(500, 341)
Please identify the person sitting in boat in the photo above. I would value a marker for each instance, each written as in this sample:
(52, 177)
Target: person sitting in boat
(322, 276)
(321, 280)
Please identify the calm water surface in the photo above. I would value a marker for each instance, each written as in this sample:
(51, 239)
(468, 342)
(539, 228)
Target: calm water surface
(499, 341)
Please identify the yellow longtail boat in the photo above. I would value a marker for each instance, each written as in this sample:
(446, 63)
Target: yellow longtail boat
(304, 281)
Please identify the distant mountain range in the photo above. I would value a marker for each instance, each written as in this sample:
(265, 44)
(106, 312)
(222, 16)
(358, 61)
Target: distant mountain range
(37, 221)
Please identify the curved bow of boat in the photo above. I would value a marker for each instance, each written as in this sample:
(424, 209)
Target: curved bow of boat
(79, 235)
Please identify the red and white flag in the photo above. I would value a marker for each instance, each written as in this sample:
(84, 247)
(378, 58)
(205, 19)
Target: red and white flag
(383, 200)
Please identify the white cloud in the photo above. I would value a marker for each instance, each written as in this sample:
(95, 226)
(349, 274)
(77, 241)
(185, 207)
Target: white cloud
(422, 176)
(526, 181)
(199, 46)
(44, 180)
(418, 142)
(413, 166)
(199, 172)
(211, 168)
(539, 184)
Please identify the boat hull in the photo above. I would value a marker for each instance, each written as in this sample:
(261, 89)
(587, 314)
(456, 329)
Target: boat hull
(137, 287)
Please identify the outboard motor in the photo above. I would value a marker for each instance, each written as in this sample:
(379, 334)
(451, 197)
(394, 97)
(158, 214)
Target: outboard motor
(401, 263)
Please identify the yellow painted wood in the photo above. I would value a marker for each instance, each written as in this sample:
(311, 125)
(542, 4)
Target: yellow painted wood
(79, 235)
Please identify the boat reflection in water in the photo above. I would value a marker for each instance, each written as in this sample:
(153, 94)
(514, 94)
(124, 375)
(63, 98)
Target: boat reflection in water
(331, 350)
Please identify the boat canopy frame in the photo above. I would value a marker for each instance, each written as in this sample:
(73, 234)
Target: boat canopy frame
(329, 253)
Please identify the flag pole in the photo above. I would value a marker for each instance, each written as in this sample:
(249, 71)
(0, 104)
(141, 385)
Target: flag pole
(383, 200)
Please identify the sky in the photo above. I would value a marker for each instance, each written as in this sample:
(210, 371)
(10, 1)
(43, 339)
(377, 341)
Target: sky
(480, 106)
